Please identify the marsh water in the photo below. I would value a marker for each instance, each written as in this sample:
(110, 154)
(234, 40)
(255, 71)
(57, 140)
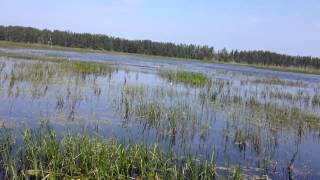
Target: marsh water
(266, 122)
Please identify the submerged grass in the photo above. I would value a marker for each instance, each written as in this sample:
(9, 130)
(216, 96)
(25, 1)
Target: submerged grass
(188, 78)
(277, 81)
(50, 72)
(66, 64)
(42, 155)
(42, 76)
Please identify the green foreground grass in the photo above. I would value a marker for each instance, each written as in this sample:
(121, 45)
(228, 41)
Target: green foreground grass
(42, 155)
(7, 44)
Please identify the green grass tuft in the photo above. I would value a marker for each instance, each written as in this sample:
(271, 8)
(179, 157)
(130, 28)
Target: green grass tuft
(42, 155)
(188, 78)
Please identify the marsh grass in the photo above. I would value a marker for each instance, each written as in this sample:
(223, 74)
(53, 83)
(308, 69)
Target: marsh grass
(43, 155)
(48, 73)
(77, 66)
(256, 113)
(2, 66)
(187, 78)
(86, 68)
(284, 117)
(277, 81)
(152, 109)
(292, 97)
(316, 100)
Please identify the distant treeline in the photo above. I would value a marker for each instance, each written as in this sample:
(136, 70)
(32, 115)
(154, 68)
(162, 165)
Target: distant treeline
(103, 42)
(268, 59)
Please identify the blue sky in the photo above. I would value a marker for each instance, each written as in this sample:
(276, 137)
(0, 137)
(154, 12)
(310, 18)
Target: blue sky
(285, 26)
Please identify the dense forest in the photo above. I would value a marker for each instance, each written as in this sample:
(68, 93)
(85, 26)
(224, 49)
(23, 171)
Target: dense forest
(103, 42)
(268, 58)
(108, 43)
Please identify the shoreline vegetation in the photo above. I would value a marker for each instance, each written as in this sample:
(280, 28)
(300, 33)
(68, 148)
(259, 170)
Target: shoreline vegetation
(19, 45)
(43, 154)
(273, 68)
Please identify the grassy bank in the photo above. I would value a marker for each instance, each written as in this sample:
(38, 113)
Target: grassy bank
(288, 69)
(274, 68)
(42, 155)
(18, 45)
(32, 57)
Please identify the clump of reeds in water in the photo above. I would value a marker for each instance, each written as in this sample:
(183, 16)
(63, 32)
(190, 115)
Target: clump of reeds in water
(277, 81)
(42, 155)
(316, 100)
(50, 73)
(187, 78)
(2, 66)
(86, 67)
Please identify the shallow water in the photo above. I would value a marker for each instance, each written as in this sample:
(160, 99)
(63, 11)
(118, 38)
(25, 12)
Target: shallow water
(258, 119)
(167, 63)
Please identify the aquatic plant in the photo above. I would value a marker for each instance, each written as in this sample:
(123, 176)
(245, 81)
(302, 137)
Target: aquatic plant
(316, 100)
(43, 154)
(252, 115)
(86, 67)
(277, 81)
(188, 78)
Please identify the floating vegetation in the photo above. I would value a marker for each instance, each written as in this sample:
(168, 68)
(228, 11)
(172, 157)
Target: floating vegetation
(42, 155)
(193, 79)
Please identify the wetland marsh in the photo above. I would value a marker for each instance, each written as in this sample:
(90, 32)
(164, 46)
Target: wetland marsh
(196, 120)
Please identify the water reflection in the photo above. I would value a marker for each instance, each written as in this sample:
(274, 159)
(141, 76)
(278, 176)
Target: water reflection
(265, 125)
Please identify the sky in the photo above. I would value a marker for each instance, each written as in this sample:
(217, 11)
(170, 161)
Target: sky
(284, 26)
